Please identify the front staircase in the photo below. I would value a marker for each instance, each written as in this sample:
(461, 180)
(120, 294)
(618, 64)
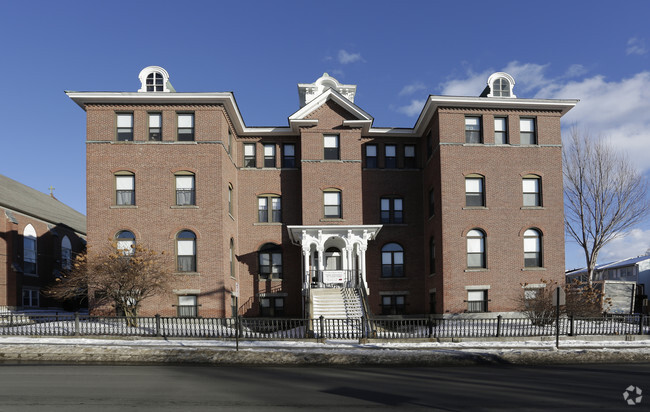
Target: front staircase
(342, 312)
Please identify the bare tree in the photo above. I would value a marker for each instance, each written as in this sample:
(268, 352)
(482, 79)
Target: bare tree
(123, 278)
(604, 194)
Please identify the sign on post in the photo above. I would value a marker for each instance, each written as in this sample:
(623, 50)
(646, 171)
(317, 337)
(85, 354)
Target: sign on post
(559, 297)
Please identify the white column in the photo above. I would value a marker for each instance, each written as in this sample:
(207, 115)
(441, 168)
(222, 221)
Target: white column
(306, 256)
(362, 259)
(321, 262)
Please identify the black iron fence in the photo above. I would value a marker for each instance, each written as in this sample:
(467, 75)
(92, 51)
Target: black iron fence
(277, 329)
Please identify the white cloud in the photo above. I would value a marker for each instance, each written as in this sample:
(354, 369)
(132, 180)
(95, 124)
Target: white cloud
(412, 109)
(473, 85)
(636, 243)
(575, 70)
(345, 57)
(412, 88)
(636, 46)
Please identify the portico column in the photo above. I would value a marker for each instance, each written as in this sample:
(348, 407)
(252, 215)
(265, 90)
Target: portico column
(306, 256)
(362, 263)
(321, 262)
(349, 275)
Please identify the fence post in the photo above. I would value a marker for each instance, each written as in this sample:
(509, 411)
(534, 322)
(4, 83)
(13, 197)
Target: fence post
(76, 323)
(499, 317)
(571, 325)
(322, 328)
(157, 324)
(363, 329)
(641, 319)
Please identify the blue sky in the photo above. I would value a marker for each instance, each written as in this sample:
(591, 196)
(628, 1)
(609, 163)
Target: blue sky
(397, 54)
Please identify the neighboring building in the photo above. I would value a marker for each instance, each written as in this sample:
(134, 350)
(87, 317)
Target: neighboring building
(39, 239)
(449, 216)
(617, 278)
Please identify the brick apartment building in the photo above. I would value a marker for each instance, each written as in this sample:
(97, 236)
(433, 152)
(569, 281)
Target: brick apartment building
(449, 216)
(39, 238)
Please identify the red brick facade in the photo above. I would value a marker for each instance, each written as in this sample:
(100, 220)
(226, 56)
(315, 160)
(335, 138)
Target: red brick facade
(216, 160)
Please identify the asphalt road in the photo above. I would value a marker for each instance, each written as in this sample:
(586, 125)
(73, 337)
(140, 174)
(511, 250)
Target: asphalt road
(38, 387)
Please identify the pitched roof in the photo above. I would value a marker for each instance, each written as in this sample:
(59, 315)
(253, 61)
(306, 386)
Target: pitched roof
(613, 265)
(24, 199)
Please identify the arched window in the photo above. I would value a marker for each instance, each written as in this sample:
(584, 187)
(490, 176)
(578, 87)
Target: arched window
(125, 242)
(532, 248)
(29, 250)
(66, 253)
(186, 251)
(270, 258)
(501, 87)
(333, 259)
(475, 249)
(154, 79)
(392, 261)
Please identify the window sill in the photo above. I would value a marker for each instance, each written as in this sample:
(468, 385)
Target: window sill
(267, 224)
(187, 273)
(183, 207)
(31, 275)
(532, 269)
(393, 278)
(332, 219)
(475, 208)
(477, 270)
(532, 208)
(123, 207)
(269, 280)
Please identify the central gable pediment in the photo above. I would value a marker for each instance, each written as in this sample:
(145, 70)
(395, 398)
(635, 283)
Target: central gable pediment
(335, 101)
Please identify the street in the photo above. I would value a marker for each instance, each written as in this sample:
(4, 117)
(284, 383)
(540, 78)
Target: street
(37, 387)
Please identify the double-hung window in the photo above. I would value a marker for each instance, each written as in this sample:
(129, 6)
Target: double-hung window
(532, 249)
(185, 127)
(125, 190)
(125, 242)
(270, 258)
(272, 307)
(390, 156)
(186, 251)
(527, 131)
(371, 156)
(409, 156)
(266, 202)
(332, 204)
(473, 130)
(474, 194)
(155, 126)
(477, 301)
(475, 249)
(392, 261)
(185, 193)
(124, 127)
(500, 130)
(331, 145)
(29, 250)
(531, 190)
(66, 253)
(392, 210)
(269, 155)
(289, 155)
(187, 306)
(249, 155)
(30, 298)
(393, 304)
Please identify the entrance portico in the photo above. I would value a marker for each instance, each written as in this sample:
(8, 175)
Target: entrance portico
(333, 255)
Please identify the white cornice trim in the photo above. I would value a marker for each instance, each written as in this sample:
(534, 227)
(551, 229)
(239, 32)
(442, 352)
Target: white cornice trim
(331, 94)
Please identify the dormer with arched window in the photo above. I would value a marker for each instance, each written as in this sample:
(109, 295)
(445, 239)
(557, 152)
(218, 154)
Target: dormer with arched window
(500, 84)
(155, 79)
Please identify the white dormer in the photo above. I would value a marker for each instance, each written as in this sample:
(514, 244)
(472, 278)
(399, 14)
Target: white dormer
(501, 85)
(309, 91)
(155, 79)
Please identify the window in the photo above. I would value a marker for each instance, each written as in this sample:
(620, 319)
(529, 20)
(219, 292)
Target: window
(432, 255)
(185, 127)
(473, 130)
(392, 261)
(263, 203)
(393, 304)
(331, 144)
(289, 155)
(125, 189)
(187, 306)
(155, 82)
(392, 210)
(155, 126)
(333, 259)
(249, 155)
(185, 190)
(432, 204)
(186, 251)
(474, 191)
(269, 155)
(371, 156)
(125, 242)
(270, 256)
(332, 203)
(429, 144)
(409, 156)
(500, 130)
(29, 250)
(477, 301)
(532, 249)
(531, 190)
(124, 127)
(475, 249)
(66, 253)
(232, 257)
(30, 298)
(229, 141)
(230, 198)
(390, 159)
(527, 131)
(501, 87)
(272, 307)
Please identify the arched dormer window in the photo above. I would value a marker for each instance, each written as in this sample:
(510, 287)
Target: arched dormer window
(154, 79)
(501, 85)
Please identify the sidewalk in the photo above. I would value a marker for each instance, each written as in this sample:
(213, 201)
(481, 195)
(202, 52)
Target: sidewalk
(331, 353)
